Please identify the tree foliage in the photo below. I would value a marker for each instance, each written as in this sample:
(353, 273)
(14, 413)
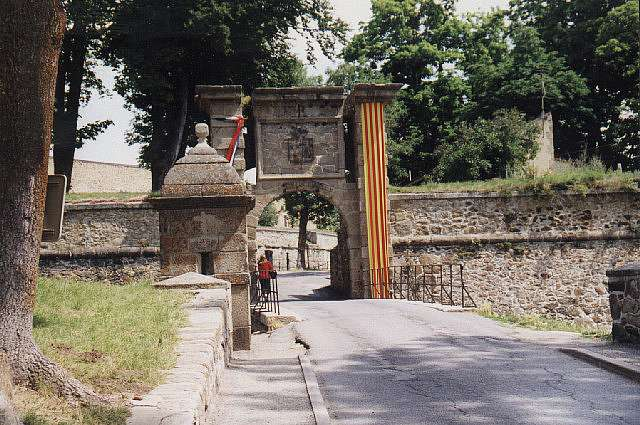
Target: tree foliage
(308, 206)
(598, 39)
(269, 216)
(165, 48)
(487, 149)
(577, 60)
(76, 80)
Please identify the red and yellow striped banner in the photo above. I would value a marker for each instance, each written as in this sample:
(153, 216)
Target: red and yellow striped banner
(375, 184)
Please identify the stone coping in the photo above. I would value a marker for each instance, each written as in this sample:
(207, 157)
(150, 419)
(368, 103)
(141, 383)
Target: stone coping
(277, 94)
(293, 230)
(190, 389)
(631, 269)
(102, 252)
(492, 238)
(233, 92)
(397, 196)
(192, 280)
(108, 205)
(196, 202)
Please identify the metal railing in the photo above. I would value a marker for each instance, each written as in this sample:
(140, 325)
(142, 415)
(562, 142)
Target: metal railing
(264, 299)
(437, 283)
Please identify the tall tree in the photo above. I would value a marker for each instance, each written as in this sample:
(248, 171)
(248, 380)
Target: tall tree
(86, 21)
(29, 46)
(417, 43)
(305, 207)
(167, 47)
(585, 33)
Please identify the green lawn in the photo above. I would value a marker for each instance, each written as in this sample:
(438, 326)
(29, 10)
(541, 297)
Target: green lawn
(118, 339)
(580, 180)
(540, 323)
(105, 196)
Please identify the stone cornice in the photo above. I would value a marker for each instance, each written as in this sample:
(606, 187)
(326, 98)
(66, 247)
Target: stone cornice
(496, 238)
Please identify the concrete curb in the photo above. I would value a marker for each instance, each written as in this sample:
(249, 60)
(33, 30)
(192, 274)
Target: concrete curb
(320, 412)
(612, 365)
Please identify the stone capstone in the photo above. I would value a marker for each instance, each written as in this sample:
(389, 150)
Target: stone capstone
(202, 172)
(191, 280)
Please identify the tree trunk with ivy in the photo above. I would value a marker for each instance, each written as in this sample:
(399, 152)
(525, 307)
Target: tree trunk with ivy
(29, 47)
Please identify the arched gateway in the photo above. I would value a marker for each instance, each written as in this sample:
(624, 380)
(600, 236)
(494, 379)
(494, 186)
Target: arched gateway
(312, 139)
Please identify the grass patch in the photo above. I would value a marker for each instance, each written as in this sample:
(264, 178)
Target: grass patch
(118, 339)
(540, 323)
(564, 177)
(105, 196)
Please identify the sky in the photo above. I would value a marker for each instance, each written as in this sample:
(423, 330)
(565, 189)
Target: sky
(110, 145)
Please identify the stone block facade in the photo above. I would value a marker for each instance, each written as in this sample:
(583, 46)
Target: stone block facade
(524, 253)
(624, 301)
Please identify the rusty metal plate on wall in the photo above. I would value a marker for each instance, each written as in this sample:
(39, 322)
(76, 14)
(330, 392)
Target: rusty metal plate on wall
(54, 208)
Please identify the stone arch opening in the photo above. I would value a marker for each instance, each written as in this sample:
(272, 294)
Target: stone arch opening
(279, 237)
(346, 233)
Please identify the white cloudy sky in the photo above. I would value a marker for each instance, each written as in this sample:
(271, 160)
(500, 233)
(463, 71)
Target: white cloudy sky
(110, 146)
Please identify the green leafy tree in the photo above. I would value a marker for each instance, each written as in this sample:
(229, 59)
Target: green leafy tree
(166, 48)
(349, 74)
(305, 207)
(508, 67)
(77, 81)
(269, 216)
(486, 149)
(418, 43)
(599, 41)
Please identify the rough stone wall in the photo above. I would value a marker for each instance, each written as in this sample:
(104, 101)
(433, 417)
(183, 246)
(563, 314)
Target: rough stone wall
(624, 300)
(283, 241)
(117, 270)
(92, 176)
(125, 224)
(524, 253)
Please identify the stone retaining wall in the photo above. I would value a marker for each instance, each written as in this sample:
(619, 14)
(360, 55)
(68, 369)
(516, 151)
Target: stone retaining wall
(189, 391)
(89, 176)
(284, 240)
(624, 300)
(118, 241)
(524, 253)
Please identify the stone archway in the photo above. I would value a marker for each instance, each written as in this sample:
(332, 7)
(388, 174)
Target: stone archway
(265, 194)
(320, 140)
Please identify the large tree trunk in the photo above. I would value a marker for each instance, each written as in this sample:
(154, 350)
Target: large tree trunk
(65, 125)
(29, 48)
(302, 237)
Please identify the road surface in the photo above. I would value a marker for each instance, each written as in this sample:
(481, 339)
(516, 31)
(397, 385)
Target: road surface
(396, 362)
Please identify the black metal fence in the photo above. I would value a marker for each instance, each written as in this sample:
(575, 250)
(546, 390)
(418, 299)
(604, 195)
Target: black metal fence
(264, 297)
(437, 283)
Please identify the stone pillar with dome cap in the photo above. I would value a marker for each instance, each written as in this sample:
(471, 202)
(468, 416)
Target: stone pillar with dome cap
(202, 213)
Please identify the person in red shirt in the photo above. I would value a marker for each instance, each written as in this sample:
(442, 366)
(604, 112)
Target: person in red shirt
(265, 269)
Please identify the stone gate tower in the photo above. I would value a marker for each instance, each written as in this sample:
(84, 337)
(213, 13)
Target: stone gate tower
(202, 213)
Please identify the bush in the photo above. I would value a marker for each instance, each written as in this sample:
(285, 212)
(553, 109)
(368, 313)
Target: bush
(486, 149)
(269, 216)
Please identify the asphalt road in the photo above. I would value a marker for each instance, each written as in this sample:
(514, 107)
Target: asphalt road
(396, 362)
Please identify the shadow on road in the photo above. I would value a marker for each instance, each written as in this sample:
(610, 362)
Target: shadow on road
(326, 293)
(473, 379)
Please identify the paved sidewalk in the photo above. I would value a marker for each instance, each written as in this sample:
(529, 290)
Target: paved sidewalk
(625, 352)
(264, 385)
